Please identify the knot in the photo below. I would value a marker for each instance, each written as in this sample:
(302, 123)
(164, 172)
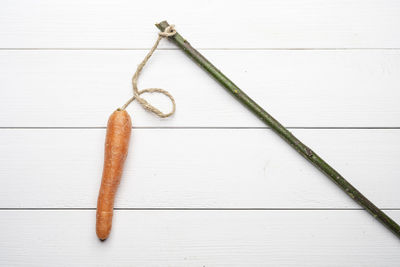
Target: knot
(169, 31)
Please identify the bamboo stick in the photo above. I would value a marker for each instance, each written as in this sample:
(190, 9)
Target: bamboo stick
(304, 150)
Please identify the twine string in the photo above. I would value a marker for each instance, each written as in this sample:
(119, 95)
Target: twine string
(169, 31)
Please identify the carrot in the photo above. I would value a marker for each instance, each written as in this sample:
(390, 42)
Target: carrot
(116, 149)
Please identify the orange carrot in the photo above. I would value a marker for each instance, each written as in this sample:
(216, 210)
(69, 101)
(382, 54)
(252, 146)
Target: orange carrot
(116, 149)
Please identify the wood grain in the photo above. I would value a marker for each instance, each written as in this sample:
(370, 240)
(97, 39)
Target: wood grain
(256, 24)
(199, 238)
(209, 186)
(299, 88)
(197, 168)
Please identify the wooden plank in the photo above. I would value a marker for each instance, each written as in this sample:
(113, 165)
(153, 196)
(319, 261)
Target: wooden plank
(272, 24)
(192, 168)
(199, 238)
(300, 88)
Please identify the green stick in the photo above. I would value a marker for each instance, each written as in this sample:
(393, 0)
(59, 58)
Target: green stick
(305, 151)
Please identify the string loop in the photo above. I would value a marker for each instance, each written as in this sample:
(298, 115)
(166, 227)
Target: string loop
(169, 31)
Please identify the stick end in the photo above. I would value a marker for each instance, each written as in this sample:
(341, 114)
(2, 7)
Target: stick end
(162, 25)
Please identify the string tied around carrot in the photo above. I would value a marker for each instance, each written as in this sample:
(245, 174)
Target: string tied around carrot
(119, 128)
(169, 31)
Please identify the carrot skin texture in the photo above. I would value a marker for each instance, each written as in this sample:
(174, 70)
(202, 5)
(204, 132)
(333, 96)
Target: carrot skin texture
(119, 128)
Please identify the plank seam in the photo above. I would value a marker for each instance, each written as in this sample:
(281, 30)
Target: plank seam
(204, 48)
(205, 209)
(202, 127)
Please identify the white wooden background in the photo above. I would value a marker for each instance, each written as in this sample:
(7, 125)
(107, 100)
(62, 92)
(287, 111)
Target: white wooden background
(211, 186)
